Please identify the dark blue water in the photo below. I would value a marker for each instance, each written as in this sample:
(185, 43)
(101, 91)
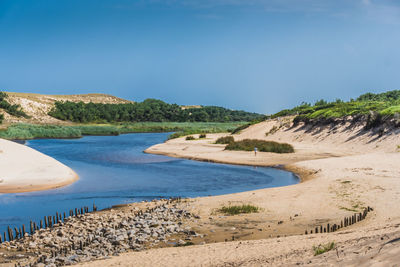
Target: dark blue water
(114, 170)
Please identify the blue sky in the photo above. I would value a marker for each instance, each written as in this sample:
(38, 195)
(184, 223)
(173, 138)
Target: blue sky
(257, 55)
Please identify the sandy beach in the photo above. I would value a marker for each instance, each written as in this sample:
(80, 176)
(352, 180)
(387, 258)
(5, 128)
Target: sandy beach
(342, 171)
(23, 169)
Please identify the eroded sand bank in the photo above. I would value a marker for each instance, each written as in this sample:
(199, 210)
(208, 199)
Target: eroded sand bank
(23, 169)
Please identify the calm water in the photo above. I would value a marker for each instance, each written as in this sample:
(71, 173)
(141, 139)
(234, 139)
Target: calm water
(114, 170)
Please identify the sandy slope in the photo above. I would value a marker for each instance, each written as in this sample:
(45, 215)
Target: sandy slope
(344, 170)
(24, 169)
(37, 105)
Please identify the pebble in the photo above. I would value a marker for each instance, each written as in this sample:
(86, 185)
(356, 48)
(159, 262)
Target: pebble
(98, 236)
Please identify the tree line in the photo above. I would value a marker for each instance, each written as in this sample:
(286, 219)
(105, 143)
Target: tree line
(150, 110)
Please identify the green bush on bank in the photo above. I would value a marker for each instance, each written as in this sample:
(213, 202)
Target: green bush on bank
(261, 145)
(225, 140)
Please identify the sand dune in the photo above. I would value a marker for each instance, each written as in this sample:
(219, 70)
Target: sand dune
(24, 169)
(343, 169)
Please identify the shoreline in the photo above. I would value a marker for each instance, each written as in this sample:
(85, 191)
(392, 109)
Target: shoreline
(338, 178)
(24, 169)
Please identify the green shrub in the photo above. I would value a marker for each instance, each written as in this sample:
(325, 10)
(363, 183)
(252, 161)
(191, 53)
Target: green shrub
(1, 118)
(234, 210)
(190, 137)
(202, 136)
(320, 249)
(225, 140)
(262, 146)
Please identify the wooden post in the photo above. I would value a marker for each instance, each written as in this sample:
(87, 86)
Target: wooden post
(9, 233)
(76, 212)
(41, 224)
(16, 233)
(316, 230)
(327, 227)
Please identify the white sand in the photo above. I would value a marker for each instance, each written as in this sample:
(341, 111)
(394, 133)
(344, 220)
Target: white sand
(23, 169)
(343, 169)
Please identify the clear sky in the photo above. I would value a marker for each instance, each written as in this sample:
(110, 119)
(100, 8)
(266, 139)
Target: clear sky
(257, 55)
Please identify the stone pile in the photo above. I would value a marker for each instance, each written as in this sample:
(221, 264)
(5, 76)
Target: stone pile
(103, 234)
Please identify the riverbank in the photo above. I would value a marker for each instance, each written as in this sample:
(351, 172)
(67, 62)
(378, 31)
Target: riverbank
(24, 131)
(23, 169)
(342, 173)
(343, 168)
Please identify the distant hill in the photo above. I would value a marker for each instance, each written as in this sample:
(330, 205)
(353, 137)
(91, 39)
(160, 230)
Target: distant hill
(37, 106)
(103, 108)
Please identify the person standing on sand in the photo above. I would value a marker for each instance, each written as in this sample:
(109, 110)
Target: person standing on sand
(255, 151)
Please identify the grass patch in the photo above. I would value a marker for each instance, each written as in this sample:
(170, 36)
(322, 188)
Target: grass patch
(262, 146)
(189, 128)
(225, 140)
(239, 209)
(190, 137)
(201, 136)
(32, 131)
(320, 249)
(346, 182)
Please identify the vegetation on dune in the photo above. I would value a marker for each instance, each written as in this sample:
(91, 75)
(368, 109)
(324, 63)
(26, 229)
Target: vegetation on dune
(239, 209)
(261, 145)
(225, 140)
(1, 118)
(32, 131)
(14, 110)
(384, 104)
(201, 136)
(320, 249)
(190, 137)
(247, 125)
(150, 110)
(189, 128)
